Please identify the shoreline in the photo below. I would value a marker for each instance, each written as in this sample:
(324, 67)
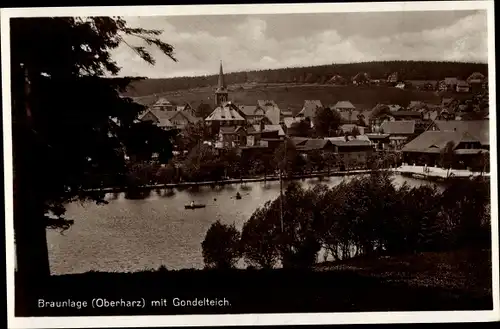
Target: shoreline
(417, 172)
(235, 181)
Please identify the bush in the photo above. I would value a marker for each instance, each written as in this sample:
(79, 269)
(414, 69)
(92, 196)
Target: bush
(221, 246)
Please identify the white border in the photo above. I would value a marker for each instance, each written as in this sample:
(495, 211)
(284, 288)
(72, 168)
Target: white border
(246, 319)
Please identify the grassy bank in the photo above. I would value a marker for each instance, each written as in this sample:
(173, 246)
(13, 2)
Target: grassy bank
(459, 280)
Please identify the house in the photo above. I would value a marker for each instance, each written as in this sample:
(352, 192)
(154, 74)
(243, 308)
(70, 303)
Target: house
(169, 119)
(337, 80)
(394, 107)
(379, 141)
(162, 104)
(348, 128)
(258, 135)
(476, 80)
(180, 119)
(480, 129)
(252, 113)
(354, 152)
(271, 110)
(186, 108)
(289, 121)
(226, 114)
(314, 144)
(451, 83)
(393, 78)
(361, 78)
(401, 85)
(426, 149)
(399, 132)
(462, 86)
(343, 106)
(309, 109)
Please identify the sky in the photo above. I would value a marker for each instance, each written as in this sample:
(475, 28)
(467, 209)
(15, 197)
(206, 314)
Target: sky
(254, 42)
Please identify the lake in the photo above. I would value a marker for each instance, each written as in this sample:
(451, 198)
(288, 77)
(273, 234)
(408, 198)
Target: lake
(132, 235)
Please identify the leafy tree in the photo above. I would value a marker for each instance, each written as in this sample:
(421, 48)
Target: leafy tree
(202, 163)
(300, 129)
(326, 122)
(144, 138)
(221, 246)
(285, 157)
(166, 174)
(259, 238)
(192, 135)
(56, 63)
(316, 159)
(447, 156)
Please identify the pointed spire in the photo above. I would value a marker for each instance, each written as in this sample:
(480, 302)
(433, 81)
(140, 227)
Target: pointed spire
(222, 84)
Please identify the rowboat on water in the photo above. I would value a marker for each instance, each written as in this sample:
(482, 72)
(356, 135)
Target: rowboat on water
(194, 206)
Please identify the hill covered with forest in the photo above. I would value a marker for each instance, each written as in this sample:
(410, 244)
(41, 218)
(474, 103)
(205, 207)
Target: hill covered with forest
(407, 70)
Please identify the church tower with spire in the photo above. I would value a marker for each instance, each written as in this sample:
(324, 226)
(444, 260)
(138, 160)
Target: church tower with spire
(221, 94)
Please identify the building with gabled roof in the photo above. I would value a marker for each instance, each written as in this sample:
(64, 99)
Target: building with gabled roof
(428, 147)
(162, 104)
(480, 129)
(226, 114)
(343, 106)
(309, 109)
(399, 132)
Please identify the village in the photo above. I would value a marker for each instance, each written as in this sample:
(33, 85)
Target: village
(451, 135)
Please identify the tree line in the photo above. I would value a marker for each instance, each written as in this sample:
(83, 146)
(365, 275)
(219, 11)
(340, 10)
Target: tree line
(365, 216)
(407, 70)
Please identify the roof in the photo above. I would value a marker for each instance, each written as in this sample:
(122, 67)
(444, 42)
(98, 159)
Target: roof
(398, 127)
(270, 128)
(162, 101)
(310, 107)
(377, 136)
(313, 144)
(361, 75)
(227, 130)
(349, 116)
(264, 103)
(416, 105)
(476, 76)
(462, 83)
(344, 105)
(435, 141)
(477, 128)
(162, 116)
(470, 151)
(394, 107)
(451, 81)
(289, 121)
(349, 126)
(298, 140)
(226, 112)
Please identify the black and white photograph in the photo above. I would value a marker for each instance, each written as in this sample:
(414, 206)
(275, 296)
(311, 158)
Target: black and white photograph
(250, 164)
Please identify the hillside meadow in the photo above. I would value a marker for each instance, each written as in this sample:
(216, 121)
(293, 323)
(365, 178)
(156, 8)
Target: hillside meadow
(293, 95)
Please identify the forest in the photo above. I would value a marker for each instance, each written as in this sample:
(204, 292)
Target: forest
(407, 70)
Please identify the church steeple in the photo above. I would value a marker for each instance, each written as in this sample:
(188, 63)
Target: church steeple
(222, 83)
(221, 94)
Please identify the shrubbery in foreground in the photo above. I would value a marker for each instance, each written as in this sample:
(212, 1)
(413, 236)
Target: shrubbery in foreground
(365, 216)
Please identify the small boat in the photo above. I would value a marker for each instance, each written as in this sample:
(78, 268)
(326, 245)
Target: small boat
(194, 206)
(238, 195)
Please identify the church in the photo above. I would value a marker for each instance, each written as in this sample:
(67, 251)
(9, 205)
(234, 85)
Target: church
(244, 126)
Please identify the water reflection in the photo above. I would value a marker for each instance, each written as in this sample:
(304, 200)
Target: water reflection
(149, 230)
